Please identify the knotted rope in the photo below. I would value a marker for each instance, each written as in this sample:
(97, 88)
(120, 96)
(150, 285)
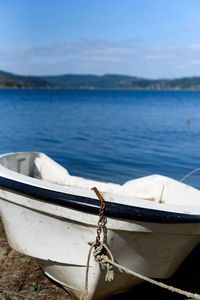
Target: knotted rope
(107, 262)
(104, 257)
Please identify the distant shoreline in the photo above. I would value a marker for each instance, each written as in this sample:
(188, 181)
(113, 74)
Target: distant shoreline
(99, 89)
(96, 82)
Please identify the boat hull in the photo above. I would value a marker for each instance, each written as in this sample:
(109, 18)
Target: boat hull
(60, 238)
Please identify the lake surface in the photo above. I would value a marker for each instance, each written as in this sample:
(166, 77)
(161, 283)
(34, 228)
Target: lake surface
(106, 135)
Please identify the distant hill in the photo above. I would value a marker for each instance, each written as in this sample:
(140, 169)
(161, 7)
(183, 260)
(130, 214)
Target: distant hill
(108, 81)
(9, 80)
(90, 81)
(113, 81)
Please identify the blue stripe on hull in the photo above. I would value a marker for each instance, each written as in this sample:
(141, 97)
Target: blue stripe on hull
(90, 205)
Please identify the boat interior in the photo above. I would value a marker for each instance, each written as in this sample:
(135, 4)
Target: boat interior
(158, 188)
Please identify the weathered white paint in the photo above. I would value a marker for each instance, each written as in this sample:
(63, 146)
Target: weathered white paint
(59, 237)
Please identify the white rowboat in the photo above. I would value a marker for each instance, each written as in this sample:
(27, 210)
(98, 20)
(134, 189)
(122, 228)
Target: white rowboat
(153, 222)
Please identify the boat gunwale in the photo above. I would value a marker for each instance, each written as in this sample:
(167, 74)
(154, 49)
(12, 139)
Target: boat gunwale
(91, 205)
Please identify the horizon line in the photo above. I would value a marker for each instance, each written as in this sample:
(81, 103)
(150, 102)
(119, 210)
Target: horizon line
(100, 75)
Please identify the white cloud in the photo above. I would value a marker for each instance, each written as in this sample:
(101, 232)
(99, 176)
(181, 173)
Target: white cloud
(102, 56)
(195, 62)
(159, 55)
(89, 51)
(194, 47)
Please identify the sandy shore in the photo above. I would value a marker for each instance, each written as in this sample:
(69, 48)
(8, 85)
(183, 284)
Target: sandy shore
(21, 278)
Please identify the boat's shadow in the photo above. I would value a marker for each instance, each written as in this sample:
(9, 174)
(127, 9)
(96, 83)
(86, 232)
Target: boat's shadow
(186, 278)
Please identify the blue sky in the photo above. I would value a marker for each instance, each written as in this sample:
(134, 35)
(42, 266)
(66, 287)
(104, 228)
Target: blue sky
(142, 38)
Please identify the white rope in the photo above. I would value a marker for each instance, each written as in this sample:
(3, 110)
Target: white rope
(155, 282)
(98, 257)
(103, 260)
(84, 293)
(189, 174)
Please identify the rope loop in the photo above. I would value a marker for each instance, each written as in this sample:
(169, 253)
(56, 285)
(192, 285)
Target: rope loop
(103, 256)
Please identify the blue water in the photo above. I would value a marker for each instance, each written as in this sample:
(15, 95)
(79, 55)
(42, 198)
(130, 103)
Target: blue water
(106, 135)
